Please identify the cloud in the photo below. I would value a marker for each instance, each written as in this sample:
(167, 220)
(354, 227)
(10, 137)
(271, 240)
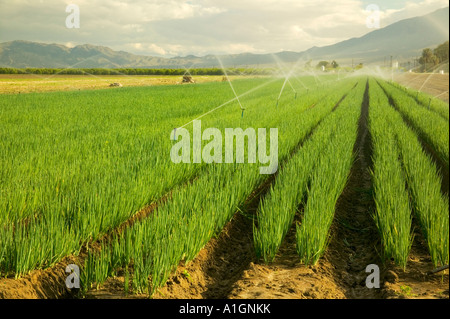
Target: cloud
(182, 27)
(156, 49)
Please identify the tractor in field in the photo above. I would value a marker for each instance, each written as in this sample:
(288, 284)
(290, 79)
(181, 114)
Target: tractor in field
(188, 79)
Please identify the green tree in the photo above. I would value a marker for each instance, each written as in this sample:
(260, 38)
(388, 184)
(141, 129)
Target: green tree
(441, 52)
(321, 64)
(428, 60)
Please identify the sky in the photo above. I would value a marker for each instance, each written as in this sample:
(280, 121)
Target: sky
(199, 27)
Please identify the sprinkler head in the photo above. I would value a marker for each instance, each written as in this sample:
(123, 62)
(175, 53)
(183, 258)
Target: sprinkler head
(174, 134)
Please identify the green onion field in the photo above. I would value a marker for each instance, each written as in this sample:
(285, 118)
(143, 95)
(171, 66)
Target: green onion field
(86, 178)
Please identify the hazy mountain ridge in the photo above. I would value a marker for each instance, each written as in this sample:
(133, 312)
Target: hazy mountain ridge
(403, 39)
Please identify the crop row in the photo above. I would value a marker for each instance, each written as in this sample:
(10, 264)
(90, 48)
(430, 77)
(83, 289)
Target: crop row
(428, 101)
(423, 182)
(329, 179)
(393, 212)
(277, 210)
(432, 127)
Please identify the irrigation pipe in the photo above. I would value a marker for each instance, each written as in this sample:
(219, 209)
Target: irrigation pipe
(435, 271)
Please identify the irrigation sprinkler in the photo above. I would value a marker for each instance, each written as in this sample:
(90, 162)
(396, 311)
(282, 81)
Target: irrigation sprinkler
(174, 134)
(435, 271)
(230, 101)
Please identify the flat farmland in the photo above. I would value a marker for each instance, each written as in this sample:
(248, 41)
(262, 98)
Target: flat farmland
(434, 84)
(26, 83)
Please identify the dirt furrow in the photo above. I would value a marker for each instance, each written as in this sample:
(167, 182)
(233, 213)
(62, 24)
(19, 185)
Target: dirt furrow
(354, 238)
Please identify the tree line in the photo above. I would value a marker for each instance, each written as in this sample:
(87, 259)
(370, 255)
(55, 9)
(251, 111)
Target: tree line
(134, 71)
(431, 58)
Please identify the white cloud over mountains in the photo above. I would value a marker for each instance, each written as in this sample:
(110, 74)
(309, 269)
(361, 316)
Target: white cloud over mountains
(200, 27)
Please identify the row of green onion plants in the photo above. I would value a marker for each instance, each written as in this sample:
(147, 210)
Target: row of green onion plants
(432, 127)
(328, 179)
(426, 100)
(393, 210)
(423, 182)
(277, 210)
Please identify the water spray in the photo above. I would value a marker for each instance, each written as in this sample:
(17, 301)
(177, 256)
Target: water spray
(432, 73)
(441, 94)
(230, 101)
(187, 70)
(231, 85)
(286, 76)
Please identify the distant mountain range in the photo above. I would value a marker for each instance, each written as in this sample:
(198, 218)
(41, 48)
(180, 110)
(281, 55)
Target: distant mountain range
(402, 40)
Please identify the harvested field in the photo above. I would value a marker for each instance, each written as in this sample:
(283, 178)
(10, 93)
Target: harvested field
(26, 83)
(434, 84)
